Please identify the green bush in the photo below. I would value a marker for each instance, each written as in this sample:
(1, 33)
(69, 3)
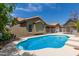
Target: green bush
(6, 36)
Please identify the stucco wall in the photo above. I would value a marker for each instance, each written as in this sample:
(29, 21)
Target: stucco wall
(19, 31)
(23, 31)
(70, 24)
(70, 27)
(37, 28)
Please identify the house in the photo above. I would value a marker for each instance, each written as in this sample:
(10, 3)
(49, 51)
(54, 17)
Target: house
(53, 28)
(70, 26)
(33, 26)
(29, 26)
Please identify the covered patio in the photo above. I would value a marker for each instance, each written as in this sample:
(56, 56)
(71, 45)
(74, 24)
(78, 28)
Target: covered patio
(53, 28)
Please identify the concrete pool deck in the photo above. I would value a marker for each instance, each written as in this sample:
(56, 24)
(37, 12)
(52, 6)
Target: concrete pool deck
(67, 50)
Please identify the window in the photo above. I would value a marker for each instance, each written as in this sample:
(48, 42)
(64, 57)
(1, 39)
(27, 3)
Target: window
(30, 28)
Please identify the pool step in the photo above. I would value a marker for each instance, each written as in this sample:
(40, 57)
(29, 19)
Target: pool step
(74, 39)
(72, 43)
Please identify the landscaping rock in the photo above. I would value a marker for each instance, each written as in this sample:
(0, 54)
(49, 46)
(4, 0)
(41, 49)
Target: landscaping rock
(8, 50)
(27, 54)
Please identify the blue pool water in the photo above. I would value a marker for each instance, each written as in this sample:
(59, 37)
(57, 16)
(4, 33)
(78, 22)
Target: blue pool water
(48, 41)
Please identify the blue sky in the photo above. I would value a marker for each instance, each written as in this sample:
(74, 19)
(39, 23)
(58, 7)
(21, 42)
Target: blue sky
(49, 12)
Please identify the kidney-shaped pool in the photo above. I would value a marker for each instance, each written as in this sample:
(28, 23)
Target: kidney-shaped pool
(48, 41)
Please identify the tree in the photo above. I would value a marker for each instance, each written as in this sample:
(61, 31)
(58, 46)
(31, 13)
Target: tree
(77, 25)
(5, 19)
(14, 22)
(74, 15)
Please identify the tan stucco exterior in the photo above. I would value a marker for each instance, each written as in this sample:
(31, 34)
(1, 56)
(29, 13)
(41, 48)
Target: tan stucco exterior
(37, 28)
(34, 26)
(19, 31)
(53, 28)
(70, 26)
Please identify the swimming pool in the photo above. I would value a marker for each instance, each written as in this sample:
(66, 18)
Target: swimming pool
(48, 41)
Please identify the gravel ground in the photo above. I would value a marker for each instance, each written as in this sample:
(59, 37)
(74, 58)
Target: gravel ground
(10, 50)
